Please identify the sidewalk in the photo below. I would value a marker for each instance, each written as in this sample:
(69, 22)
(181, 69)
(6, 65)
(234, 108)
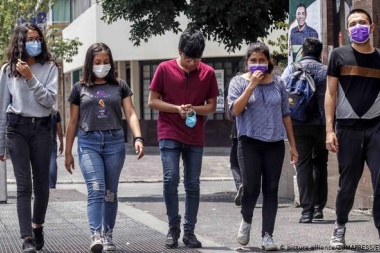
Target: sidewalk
(142, 224)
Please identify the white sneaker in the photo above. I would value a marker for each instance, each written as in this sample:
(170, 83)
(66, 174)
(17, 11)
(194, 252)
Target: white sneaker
(267, 243)
(108, 242)
(337, 239)
(244, 232)
(97, 244)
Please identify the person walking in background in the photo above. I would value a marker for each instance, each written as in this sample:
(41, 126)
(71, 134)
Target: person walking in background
(234, 164)
(310, 137)
(299, 33)
(28, 91)
(56, 131)
(353, 103)
(259, 101)
(183, 90)
(96, 104)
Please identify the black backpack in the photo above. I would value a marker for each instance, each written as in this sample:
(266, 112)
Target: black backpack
(301, 94)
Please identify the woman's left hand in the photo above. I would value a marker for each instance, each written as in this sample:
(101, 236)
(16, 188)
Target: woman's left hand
(139, 147)
(23, 68)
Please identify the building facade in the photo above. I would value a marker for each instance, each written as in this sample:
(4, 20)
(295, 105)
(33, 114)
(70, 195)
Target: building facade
(137, 65)
(82, 19)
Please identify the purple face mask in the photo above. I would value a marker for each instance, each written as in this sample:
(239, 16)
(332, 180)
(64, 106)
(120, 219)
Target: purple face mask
(262, 67)
(359, 33)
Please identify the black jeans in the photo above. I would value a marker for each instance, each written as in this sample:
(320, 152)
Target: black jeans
(311, 167)
(234, 163)
(260, 162)
(355, 148)
(29, 142)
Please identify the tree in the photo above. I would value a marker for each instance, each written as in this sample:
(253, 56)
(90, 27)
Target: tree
(13, 12)
(232, 22)
(281, 42)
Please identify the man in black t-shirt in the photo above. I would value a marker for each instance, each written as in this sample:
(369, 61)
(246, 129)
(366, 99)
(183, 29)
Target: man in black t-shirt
(353, 98)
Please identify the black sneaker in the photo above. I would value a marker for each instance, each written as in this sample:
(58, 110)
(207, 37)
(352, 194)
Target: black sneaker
(306, 218)
(28, 245)
(191, 241)
(38, 235)
(172, 237)
(318, 215)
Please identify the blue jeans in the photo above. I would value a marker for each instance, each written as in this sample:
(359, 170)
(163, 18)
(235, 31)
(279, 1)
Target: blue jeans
(192, 162)
(101, 159)
(53, 167)
(29, 146)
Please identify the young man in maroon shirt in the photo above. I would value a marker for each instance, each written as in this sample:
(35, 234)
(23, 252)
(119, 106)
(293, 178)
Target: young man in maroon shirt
(183, 90)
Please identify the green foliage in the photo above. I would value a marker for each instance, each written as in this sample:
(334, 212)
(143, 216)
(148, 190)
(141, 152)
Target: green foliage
(232, 22)
(62, 49)
(11, 11)
(281, 42)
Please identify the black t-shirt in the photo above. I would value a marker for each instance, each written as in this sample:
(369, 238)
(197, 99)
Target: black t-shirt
(358, 103)
(100, 105)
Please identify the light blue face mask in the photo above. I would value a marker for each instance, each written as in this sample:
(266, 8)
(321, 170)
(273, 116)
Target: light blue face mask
(33, 48)
(191, 119)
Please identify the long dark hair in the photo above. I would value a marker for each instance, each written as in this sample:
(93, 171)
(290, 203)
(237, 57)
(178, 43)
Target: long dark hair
(16, 49)
(88, 77)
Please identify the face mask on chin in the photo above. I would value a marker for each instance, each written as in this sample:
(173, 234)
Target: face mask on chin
(101, 71)
(360, 33)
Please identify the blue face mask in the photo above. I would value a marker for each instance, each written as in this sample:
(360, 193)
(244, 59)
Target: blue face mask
(191, 119)
(262, 67)
(33, 48)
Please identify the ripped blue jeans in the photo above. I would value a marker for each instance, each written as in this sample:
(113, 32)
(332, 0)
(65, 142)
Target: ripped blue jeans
(101, 159)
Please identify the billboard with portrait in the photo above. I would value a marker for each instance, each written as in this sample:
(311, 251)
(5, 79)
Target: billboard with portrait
(305, 20)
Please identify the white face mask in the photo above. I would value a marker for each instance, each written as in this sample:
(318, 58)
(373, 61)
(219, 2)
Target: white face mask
(101, 70)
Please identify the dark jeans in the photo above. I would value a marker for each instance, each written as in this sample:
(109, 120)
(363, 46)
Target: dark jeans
(355, 148)
(311, 167)
(234, 163)
(53, 166)
(260, 163)
(29, 142)
(171, 152)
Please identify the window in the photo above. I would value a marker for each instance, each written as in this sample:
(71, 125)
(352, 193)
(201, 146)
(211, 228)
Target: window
(78, 7)
(61, 12)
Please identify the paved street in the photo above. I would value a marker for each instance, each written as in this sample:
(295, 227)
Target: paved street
(141, 224)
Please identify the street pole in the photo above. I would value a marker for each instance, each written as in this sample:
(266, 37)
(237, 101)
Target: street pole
(3, 182)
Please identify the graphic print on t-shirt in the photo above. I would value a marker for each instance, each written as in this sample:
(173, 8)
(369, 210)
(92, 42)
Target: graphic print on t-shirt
(102, 111)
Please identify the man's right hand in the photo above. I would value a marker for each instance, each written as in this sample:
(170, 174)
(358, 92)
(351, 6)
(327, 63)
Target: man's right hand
(2, 158)
(332, 142)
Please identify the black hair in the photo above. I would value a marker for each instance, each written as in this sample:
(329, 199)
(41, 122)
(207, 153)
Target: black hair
(301, 5)
(192, 43)
(360, 11)
(259, 47)
(88, 77)
(312, 47)
(16, 49)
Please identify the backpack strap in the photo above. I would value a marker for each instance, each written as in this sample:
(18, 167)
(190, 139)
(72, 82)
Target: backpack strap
(297, 66)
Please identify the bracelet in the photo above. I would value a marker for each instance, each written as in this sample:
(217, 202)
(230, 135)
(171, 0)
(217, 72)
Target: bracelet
(141, 139)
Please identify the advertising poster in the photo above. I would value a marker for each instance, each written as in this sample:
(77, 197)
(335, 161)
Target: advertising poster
(220, 99)
(305, 20)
